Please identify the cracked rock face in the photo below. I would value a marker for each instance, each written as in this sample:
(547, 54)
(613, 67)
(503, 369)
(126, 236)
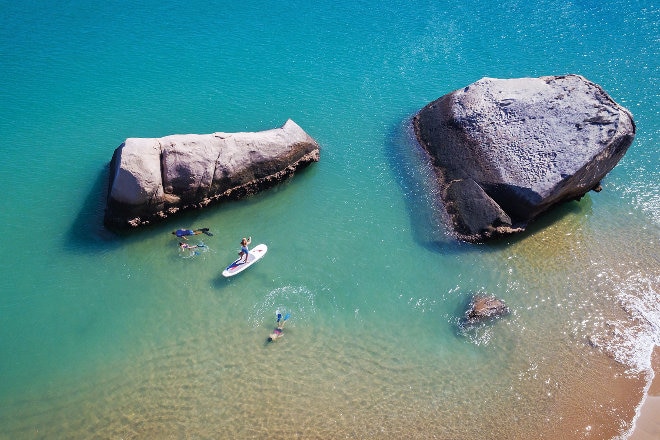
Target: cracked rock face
(154, 178)
(506, 150)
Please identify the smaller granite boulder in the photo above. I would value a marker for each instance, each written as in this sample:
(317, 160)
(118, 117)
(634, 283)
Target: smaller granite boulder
(154, 178)
(484, 308)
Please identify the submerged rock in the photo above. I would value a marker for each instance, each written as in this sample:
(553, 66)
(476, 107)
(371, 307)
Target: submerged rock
(506, 150)
(153, 178)
(483, 308)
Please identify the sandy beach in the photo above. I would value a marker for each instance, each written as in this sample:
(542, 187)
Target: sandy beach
(647, 426)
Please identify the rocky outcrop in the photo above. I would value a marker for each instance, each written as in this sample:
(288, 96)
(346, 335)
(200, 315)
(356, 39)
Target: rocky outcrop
(153, 178)
(506, 150)
(484, 308)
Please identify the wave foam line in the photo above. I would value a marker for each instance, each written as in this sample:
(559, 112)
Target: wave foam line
(631, 342)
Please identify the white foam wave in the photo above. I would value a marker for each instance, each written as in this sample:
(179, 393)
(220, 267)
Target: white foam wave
(631, 342)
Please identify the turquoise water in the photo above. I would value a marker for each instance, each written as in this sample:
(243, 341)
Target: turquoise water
(107, 336)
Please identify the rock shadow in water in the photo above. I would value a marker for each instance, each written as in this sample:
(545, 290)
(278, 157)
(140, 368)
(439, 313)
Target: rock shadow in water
(87, 232)
(415, 175)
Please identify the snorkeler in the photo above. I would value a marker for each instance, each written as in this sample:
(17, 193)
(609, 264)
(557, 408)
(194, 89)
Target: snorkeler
(278, 332)
(185, 246)
(182, 233)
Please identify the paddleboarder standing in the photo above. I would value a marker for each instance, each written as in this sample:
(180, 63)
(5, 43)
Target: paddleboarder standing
(244, 248)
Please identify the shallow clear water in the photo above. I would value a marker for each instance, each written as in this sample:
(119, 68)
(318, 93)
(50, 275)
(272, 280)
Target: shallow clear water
(124, 337)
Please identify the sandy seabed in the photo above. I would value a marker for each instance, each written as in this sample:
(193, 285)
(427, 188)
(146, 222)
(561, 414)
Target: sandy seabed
(357, 388)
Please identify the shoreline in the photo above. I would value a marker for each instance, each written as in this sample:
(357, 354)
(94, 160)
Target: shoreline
(647, 423)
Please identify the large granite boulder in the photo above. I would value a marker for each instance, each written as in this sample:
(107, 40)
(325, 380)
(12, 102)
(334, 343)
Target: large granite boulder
(506, 150)
(153, 178)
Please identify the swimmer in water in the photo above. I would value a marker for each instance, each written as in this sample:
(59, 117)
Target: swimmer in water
(182, 233)
(185, 246)
(278, 332)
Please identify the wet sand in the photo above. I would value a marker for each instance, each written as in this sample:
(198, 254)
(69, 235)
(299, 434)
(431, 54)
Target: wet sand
(647, 426)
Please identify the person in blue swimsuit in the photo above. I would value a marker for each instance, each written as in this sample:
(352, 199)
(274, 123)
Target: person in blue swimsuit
(245, 252)
(182, 233)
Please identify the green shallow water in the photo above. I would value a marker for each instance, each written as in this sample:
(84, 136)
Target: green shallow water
(123, 336)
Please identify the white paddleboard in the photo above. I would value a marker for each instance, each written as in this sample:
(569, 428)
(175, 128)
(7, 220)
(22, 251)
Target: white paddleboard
(238, 266)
